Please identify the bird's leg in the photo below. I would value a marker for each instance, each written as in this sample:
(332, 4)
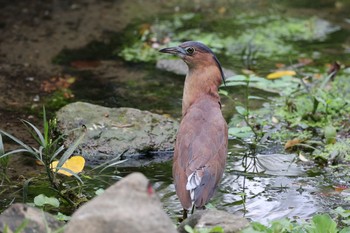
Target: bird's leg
(184, 216)
(193, 206)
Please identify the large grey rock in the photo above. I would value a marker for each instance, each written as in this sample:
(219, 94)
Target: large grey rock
(37, 220)
(130, 205)
(145, 136)
(230, 223)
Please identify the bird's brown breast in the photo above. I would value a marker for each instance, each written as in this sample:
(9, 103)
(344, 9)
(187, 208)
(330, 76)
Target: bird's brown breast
(201, 144)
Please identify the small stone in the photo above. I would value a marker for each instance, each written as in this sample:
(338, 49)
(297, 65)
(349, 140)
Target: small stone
(38, 221)
(127, 206)
(210, 218)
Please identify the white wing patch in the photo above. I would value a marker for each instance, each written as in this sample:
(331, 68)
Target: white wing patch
(193, 181)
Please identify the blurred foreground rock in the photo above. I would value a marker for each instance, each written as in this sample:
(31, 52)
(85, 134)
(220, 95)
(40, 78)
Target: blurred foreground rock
(144, 136)
(37, 220)
(130, 205)
(210, 218)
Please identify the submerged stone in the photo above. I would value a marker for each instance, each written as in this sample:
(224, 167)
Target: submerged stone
(139, 136)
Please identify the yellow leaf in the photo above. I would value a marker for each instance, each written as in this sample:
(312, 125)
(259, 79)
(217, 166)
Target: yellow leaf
(75, 164)
(279, 74)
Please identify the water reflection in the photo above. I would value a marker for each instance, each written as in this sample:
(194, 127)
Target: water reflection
(260, 187)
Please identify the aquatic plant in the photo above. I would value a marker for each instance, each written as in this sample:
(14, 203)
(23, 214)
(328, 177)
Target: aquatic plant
(48, 150)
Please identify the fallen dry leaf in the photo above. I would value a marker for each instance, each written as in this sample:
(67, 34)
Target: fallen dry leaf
(280, 74)
(75, 164)
(292, 143)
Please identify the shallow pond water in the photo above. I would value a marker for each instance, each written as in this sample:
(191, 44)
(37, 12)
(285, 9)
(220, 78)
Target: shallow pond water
(280, 188)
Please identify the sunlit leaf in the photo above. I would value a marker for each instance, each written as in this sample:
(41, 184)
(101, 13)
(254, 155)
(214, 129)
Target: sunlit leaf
(75, 164)
(280, 74)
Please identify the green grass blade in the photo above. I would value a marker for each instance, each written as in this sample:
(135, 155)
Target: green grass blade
(110, 161)
(46, 127)
(14, 152)
(57, 152)
(19, 142)
(2, 150)
(22, 226)
(25, 189)
(112, 165)
(71, 172)
(70, 151)
(38, 133)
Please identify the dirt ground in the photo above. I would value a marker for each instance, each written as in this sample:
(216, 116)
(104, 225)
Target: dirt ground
(33, 32)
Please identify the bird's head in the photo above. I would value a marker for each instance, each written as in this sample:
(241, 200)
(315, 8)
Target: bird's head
(196, 55)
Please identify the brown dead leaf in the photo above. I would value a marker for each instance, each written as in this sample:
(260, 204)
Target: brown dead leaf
(291, 143)
(280, 65)
(305, 60)
(57, 83)
(85, 64)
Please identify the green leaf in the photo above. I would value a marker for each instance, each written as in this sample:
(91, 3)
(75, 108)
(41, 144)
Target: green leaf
(69, 151)
(242, 132)
(62, 217)
(39, 135)
(99, 191)
(2, 150)
(345, 230)
(251, 97)
(324, 224)
(223, 92)
(217, 229)
(189, 229)
(242, 111)
(42, 200)
(237, 78)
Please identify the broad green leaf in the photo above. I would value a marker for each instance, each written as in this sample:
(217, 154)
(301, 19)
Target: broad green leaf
(324, 224)
(189, 229)
(42, 200)
(241, 110)
(242, 132)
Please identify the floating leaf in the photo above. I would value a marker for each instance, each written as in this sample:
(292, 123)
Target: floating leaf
(74, 164)
(279, 74)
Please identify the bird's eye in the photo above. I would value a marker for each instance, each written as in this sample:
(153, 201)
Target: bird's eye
(190, 50)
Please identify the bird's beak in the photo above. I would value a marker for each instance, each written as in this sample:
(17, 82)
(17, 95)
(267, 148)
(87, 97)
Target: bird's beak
(174, 50)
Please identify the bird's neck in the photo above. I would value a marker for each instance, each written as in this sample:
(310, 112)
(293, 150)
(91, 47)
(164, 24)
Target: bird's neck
(198, 83)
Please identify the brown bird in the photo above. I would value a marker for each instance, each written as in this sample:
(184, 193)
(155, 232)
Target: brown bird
(201, 143)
